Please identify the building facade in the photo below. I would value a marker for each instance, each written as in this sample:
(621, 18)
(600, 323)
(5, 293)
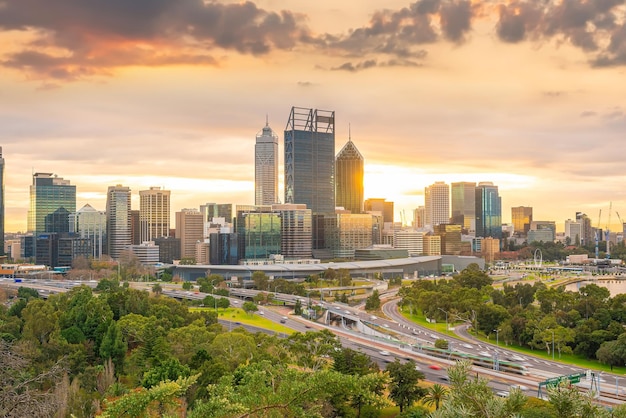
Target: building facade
(118, 220)
(488, 211)
(450, 236)
(573, 231)
(521, 217)
(463, 205)
(190, 230)
(52, 199)
(266, 167)
(154, 214)
(259, 232)
(349, 173)
(347, 232)
(437, 204)
(381, 206)
(410, 240)
(296, 231)
(89, 223)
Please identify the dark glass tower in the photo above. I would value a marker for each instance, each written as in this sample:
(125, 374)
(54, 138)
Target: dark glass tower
(349, 169)
(310, 159)
(488, 211)
(52, 199)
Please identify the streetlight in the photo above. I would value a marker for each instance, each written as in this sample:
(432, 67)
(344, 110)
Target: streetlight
(497, 331)
(446, 317)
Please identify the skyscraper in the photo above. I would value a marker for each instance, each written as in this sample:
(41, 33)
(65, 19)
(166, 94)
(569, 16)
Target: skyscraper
(380, 205)
(154, 214)
(1, 204)
(266, 167)
(437, 204)
(118, 220)
(90, 224)
(349, 171)
(463, 199)
(521, 216)
(189, 229)
(310, 159)
(52, 199)
(488, 211)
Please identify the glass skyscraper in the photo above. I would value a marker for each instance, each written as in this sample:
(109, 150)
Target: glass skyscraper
(259, 231)
(118, 220)
(310, 159)
(349, 170)
(488, 211)
(90, 224)
(266, 167)
(463, 202)
(52, 200)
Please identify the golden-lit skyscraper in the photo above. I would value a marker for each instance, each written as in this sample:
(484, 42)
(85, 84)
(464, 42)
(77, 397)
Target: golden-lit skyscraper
(154, 214)
(349, 171)
(266, 167)
(521, 216)
(437, 204)
(118, 220)
(463, 202)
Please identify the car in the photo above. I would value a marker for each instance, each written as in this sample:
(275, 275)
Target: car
(283, 319)
(516, 358)
(502, 393)
(468, 346)
(434, 367)
(385, 325)
(383, 352)
(484, 354)
(373, 317)
(307, 326)
(434, 336)
(261, 313)
(445, 377)
(520, 387)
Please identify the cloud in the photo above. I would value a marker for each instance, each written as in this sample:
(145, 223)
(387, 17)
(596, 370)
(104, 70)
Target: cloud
(76, 39)
(588, 114)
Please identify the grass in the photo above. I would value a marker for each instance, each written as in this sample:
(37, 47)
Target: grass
(239, 315)
(571, 359)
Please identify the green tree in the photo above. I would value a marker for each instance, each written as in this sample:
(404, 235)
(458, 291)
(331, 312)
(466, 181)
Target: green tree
(260, 279)
(223, 303)
(312, 349)
(249, 307)
(472, 276)
(157, 289)
(348, 361)
(403, 384)
(113, 346)
(187, 285)
(372, 302)
(169, 370)
(298, 308)
(435, 395)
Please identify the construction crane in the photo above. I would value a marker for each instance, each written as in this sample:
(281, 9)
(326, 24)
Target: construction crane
(598, 230)
(607, 234)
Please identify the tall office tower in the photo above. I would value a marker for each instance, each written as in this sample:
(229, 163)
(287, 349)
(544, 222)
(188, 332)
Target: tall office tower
(488, 211)
(154, 214)
(347, 232)
(310, 159)
(410, 240)
(52, 199)
(266, 167)
(1, 204)
(349, 171)
(450, 235)
(296, 230)
(90, 224)
(573, 231)
(215, 210)
(380, 205)
(587, 236)
(189, 229)
(521, 216)
(437, 204)
(135, 238)
(118, 220)
(463, 202)
(258, 229)
(418, 217)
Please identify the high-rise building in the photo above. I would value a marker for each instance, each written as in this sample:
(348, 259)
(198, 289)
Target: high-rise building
(463, 202)
(154, 214)
(587, 236)
(542, 231)
(418, 217)
(488, 211)
(450, 235)
(135, 238)
(437, 204)
(349, 172)
(295, 230)
(266, 167)
(189, 229)
(573, 231)
(215, 210)
(52, 199)
(521, 217)
(118, 220)
(411, 240)
(2, 253)
(347, 232)
(258, 229)
(310, 159)
(382, 206)
(90, 224)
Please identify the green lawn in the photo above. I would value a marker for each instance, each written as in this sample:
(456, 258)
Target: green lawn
(565, 358)
(238, 315)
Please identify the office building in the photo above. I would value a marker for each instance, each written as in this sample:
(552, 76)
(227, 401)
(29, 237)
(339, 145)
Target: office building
(147, 253)
(450, 238)
(437, 204)
(418, 217)
(432, 245)
(310, 159)
(542, 231)
(169, 249)
(210, 211)
(490, 248)
(223, 249)
(347, 232)
(52, 199)
(521, 217)
(259, 231)
(71, 247)
(89, 223)
(488, 211)
(154, 214)
(296, 230)
(190, 230)
(380, 206)
(410, 240)
(135, 238)
(118, 220)
(349, 173)
(587, 237)
(266, 167)
(573, 231)
(2, 252)
(463, 205)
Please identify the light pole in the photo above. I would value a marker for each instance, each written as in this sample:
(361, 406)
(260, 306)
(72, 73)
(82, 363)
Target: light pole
(497, 331)
(446, 317)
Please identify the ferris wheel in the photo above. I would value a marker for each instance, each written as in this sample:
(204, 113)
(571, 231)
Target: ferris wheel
(538, 258)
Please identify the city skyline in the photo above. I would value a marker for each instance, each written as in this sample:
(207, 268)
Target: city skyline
(528, 97)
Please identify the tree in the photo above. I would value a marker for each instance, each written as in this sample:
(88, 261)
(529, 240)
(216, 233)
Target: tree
(372, 303)
(403, 388)
(312, 349)
(260, 279)
(157, 289)
(187, 285)
(249, 307)
(435, 395)
(113, 346)
(348, 361)
(298, 308)
(223, 303)
(473, 276)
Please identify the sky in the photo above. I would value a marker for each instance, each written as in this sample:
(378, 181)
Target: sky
(530, 95)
